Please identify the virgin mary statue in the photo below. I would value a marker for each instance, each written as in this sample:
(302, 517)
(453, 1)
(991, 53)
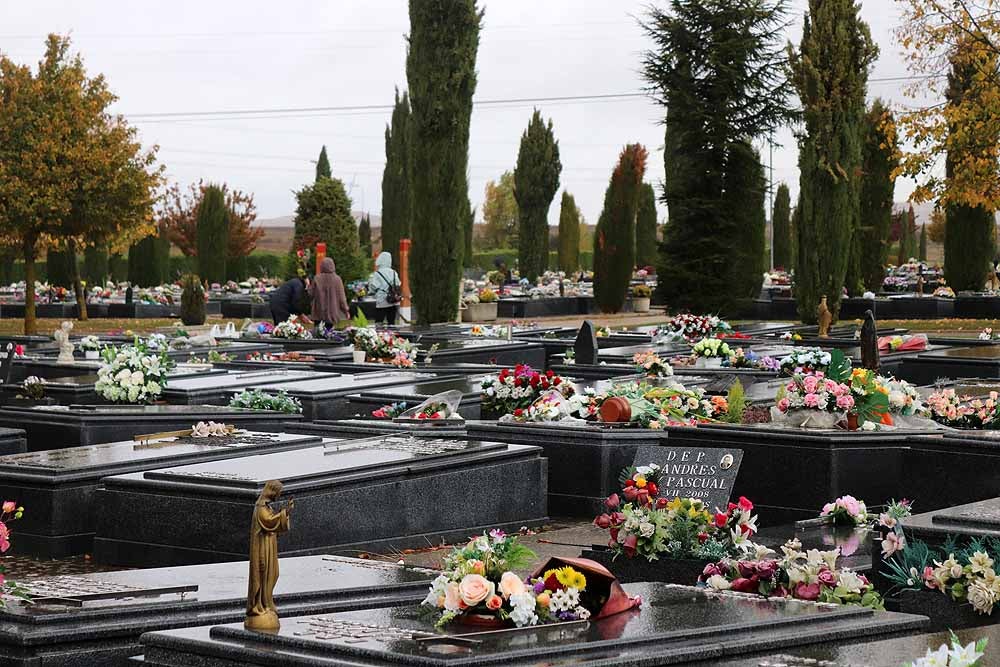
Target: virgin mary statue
(264, 529)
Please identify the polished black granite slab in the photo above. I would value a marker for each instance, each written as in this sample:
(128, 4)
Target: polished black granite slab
(376, 494)
(978, 519)
(60, 485)
(58, 426)
(72, 389)
(326, 397)
(485, 351)
(980, 361)
(675, 624)
(219, 389)
(470, 387)
(13, 441)
(104, 633)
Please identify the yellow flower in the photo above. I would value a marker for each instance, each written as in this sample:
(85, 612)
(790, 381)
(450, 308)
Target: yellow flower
(567, 576)
(640, 481)
(675, 504)
(693, 513)
(578, 581)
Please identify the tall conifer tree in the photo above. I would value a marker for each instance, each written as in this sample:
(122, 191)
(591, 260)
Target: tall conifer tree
(323, 165)
(745, 193)
(213, 235)
(781, 227)
(718, 69)
(365, 235)
(569, 234)
(830, 72)
(880, 157)
(395, 179)
(614, 239)
(536, 180)
(441, 74)
(645, 227)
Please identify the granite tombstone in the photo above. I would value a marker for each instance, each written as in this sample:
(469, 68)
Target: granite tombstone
(707, 474)
(586, 349)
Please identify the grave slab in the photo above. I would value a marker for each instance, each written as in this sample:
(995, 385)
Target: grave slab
(60, 485)
(219, 389)
(58, 426)
(106, 632)
(676, 624)
(980, 361)
(378, 494)
(349, 429)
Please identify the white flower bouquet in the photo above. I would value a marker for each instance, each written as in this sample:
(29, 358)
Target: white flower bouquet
(132, 374)
(293, 329)
(90, 343)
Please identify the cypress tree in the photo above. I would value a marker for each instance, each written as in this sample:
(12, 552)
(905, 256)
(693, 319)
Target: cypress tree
(781, 227)
(718, 69)
(145, 262)
(395, 179)
(880, 158)
(645, 227)
(468, 232)
(95, 265)
(365, 235)
(794, 246)
(323, 214)
(744, 194)
(614, 239)
(923, 243)
(830, 72)
(441, 73)
(212, 235)
(569, 234)
(57, 268)
(323, 165)
(536, 180)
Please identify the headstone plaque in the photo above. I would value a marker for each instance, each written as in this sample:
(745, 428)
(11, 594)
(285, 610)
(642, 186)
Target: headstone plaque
(707, 474)
(7, 364)
(585, 349)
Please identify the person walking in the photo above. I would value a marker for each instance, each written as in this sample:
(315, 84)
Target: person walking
(385, 285)
(287, 300)
(329, 301)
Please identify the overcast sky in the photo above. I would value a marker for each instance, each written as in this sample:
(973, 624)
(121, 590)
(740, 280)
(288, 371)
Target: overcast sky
(221, 55)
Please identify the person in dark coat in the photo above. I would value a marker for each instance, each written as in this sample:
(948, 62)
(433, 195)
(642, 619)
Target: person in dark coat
(287, 300)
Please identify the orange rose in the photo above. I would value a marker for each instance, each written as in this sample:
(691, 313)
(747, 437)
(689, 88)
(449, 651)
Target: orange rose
(478, 567)
(475, 588)
(494, 602)
(543, 599)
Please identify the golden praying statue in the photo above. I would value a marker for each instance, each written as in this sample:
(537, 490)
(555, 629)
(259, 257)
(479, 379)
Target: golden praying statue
(824, 317)
(264, 529)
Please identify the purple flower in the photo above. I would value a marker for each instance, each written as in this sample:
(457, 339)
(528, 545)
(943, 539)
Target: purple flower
(539, 587)
(497, 535)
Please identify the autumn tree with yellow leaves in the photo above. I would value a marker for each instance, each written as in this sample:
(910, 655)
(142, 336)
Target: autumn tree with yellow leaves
(71, 173)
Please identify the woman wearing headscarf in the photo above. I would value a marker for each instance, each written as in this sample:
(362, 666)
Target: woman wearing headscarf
(384, 284)
(329, 301)
(287, 299)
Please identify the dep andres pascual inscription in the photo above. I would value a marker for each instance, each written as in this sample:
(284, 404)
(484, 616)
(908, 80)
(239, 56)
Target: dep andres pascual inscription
(707, 474)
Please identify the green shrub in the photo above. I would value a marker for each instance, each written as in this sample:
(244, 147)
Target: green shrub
(192, 301)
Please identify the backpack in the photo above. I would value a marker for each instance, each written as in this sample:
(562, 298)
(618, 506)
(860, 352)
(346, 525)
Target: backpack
(392, 292)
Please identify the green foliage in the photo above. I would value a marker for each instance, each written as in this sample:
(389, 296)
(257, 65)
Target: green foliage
(782, 227)
(237, 268)
(614, 241)
(484, 259)
(737, 400)
(467, 233)
(830, 73)
(906, 232)
(569, 234)
(365, 235)
(536, 181)
(323, 214)
(95, 265)
(501, 219)
(879, 161)
(645, 227)
(257, 399)
(395, 179)
(323, 165)
(147, 265)
(212, 235)
(722, 88)
(441, 72)
(192, 301)
(59, 271)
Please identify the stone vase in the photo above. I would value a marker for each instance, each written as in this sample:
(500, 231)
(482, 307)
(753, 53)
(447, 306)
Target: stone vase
(358, 356)
(92, 355)
(708, 362)
(640, 304)
(480, 312)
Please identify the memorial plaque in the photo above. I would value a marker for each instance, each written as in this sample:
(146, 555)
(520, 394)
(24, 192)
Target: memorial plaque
(707, 474)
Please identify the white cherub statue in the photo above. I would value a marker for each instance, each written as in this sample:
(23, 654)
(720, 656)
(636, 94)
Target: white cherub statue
(65, 344)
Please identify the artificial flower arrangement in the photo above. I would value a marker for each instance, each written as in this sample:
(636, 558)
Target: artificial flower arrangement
(518, 389)
(384, 347)
(257, 399)
(658, 407)
(132, 373)
(479, 587)
(956, 655)
(329, 332)
(944, 292)
(292, 329)
(871, 400)
(486, 295)
(486, 331)
(652, 526)
(908, 343)
(711, 347)
(90, 344)
(811, 575)
(815, 393)
(805, 360)
(32, 388)
(695, 327)
(987, 334)
(294, 355)
(846, 510)
(740, 358)
(210, 429)
(948, 408)
(213, 357)
(642, 292)
(891, 527)
(9, 511)
(904, 400)
(788, 335)
(390, 411)
(651, 365)
(553, 406)
(967, 575)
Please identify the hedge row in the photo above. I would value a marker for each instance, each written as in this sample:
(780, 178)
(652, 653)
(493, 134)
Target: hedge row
(485, 259)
